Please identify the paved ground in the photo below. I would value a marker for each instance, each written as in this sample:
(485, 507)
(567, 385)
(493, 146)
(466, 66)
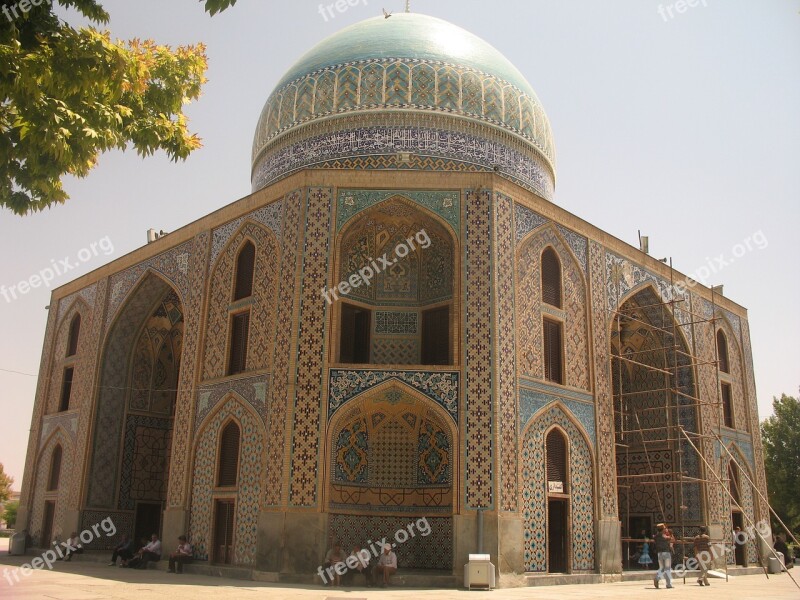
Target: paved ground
(93, 581)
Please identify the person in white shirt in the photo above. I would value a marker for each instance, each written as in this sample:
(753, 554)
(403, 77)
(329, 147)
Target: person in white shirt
(73, 547)
(358, 562)
(335, 556)
(181, 556)
(387, 564)
(151, 551)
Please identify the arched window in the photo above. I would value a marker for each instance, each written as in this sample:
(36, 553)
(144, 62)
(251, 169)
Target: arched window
(55, 469)
(556, 446)
(551, 278)
(74, 332)
(245, 265)
(722, 352)
(228, 471)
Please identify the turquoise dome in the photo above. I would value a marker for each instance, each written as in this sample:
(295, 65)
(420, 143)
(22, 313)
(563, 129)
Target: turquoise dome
(408, 35)
(402, 74)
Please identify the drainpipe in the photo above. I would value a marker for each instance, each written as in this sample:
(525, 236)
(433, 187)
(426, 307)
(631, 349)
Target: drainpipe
(480, 530)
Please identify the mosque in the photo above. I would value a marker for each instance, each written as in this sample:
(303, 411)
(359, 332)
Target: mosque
(398, 324)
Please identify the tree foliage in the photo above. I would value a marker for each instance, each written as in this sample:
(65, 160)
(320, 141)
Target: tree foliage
(10, 514)
(67, 95)
(781, 438)
(6, 481)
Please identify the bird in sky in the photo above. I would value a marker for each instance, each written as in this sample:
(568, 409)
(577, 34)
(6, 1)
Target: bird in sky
(386, 15)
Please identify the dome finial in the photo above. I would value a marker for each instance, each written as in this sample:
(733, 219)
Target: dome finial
(408, 6)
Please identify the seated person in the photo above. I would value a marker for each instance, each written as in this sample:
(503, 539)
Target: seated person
(387, 565)
(334, 557)
(73, 546)
(123, 551)
(360, 559)
(152, 551)
(181, 556)
(780, 546)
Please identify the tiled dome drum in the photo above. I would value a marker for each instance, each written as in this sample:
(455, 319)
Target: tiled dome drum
(407, 92)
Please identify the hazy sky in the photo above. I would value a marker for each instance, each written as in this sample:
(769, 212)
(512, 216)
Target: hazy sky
(684, 125)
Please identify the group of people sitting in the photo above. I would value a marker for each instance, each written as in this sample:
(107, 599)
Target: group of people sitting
(341, 569)
(150, 551)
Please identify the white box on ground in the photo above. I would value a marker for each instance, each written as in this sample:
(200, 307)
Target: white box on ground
(16, 545)
(775, 565)
(479, 573)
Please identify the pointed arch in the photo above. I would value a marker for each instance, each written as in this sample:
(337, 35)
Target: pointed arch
(74, 333)
(147, 300)
(392, 454)
(229, 448)
(733, 389)
(722, 351)
(240, 329)
(551, 277)
(405, 312)
(245, 271)
(551, 338)
(742, 491)
(48, 505)
(579, 491)
(251, 475)
(64, 368)
(557, 455)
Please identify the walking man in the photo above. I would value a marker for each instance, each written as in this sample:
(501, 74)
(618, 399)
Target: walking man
(663, 546)
(702, 552)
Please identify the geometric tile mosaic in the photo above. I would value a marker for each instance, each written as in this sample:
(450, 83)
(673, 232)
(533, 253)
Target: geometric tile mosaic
(478, 405)
(269, 215)
(506, 368)
(279, 400)
(530, 309)
(403, 84)
(145, 460)
(114, 375)
(606, 450)
(249, 482)
(261, 302)
(531, 401)
(396, 322)
(520, 165)
(395, 351)
(439, 386)
(252, 389)
(446, 204)
(434, 551)
(172, 264)
(180, 474)
(87, 294)
(527, 220)
(304, 474)
(534, 494)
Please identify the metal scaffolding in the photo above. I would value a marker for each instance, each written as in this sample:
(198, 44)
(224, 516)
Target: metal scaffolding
(679, 364)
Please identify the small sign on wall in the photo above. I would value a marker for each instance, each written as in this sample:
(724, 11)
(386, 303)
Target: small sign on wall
(555, 487)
